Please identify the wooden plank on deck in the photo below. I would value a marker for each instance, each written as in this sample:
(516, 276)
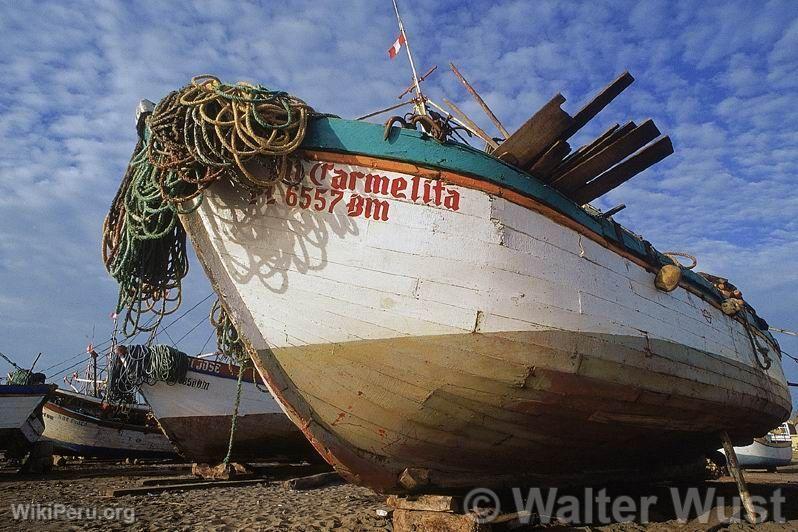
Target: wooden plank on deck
(648, 156)
(549, 160)
(597, 145)
(524, 146)
(607, 158)
(581, 150)
(594, 106)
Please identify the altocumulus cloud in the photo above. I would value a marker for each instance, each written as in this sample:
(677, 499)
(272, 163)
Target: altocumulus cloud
(722, 80)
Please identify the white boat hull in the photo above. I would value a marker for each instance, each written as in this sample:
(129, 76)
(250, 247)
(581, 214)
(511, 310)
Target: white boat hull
(764, 455)
(196, 415)
(479, 340)
(21, 417)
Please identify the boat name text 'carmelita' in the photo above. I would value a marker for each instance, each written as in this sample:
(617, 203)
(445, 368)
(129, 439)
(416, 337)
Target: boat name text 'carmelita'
(331, 183)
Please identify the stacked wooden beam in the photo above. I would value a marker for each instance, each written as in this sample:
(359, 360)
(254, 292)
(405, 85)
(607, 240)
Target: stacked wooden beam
(540, 146)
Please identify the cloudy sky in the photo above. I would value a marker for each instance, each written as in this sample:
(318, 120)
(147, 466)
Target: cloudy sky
(721, 78)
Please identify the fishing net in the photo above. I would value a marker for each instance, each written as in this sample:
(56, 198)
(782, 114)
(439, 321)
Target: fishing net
(204, 132)
(24, 377)
(136, 365)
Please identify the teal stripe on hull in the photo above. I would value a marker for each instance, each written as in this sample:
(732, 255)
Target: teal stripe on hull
(405, 145)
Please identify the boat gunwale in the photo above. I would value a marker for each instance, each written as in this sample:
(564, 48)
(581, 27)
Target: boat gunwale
(100, 422)
(26, 390)
(228, 371)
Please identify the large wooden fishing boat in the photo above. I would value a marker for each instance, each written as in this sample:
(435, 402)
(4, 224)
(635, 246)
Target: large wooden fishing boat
(196, 411)
(81, 425)
(21, 416)
(433, 316)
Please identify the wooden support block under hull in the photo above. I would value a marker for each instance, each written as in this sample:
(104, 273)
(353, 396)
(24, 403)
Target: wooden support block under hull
(432, 503)
(426, 521)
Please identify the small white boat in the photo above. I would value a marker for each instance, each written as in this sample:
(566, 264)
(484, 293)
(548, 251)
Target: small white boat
(81, 425)
(21, 417)
(195, 413)
(770, 452)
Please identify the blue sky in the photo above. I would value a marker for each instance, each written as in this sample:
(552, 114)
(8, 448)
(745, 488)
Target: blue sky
(720, 77)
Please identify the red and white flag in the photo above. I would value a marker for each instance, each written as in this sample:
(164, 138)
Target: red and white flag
(397, 45)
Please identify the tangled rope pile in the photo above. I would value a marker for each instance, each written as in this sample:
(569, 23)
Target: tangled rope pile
(137, 365)
(202, 133)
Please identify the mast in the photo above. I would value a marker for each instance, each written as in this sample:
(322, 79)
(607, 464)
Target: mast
(93, 353)
(420, 107)
(94, 377)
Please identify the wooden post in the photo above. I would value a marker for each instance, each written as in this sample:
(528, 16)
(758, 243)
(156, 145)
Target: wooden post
(471, 124)
(480, 101)
(737, 474)
(391, 108)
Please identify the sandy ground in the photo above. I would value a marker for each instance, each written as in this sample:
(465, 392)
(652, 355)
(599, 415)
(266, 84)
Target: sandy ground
(267, 506)
(270, 506)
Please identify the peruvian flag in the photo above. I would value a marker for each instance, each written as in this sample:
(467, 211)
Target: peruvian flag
(397, 45)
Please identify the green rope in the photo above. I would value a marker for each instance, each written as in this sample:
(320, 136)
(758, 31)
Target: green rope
(231, 346)
(228, 341)
(234, 420)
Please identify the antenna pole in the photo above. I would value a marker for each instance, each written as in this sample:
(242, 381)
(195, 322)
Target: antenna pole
(9, 361)
(420, 107)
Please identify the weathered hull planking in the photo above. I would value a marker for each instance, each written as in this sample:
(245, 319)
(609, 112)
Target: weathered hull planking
(74, 433)
(196, 415)
(428, 330)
